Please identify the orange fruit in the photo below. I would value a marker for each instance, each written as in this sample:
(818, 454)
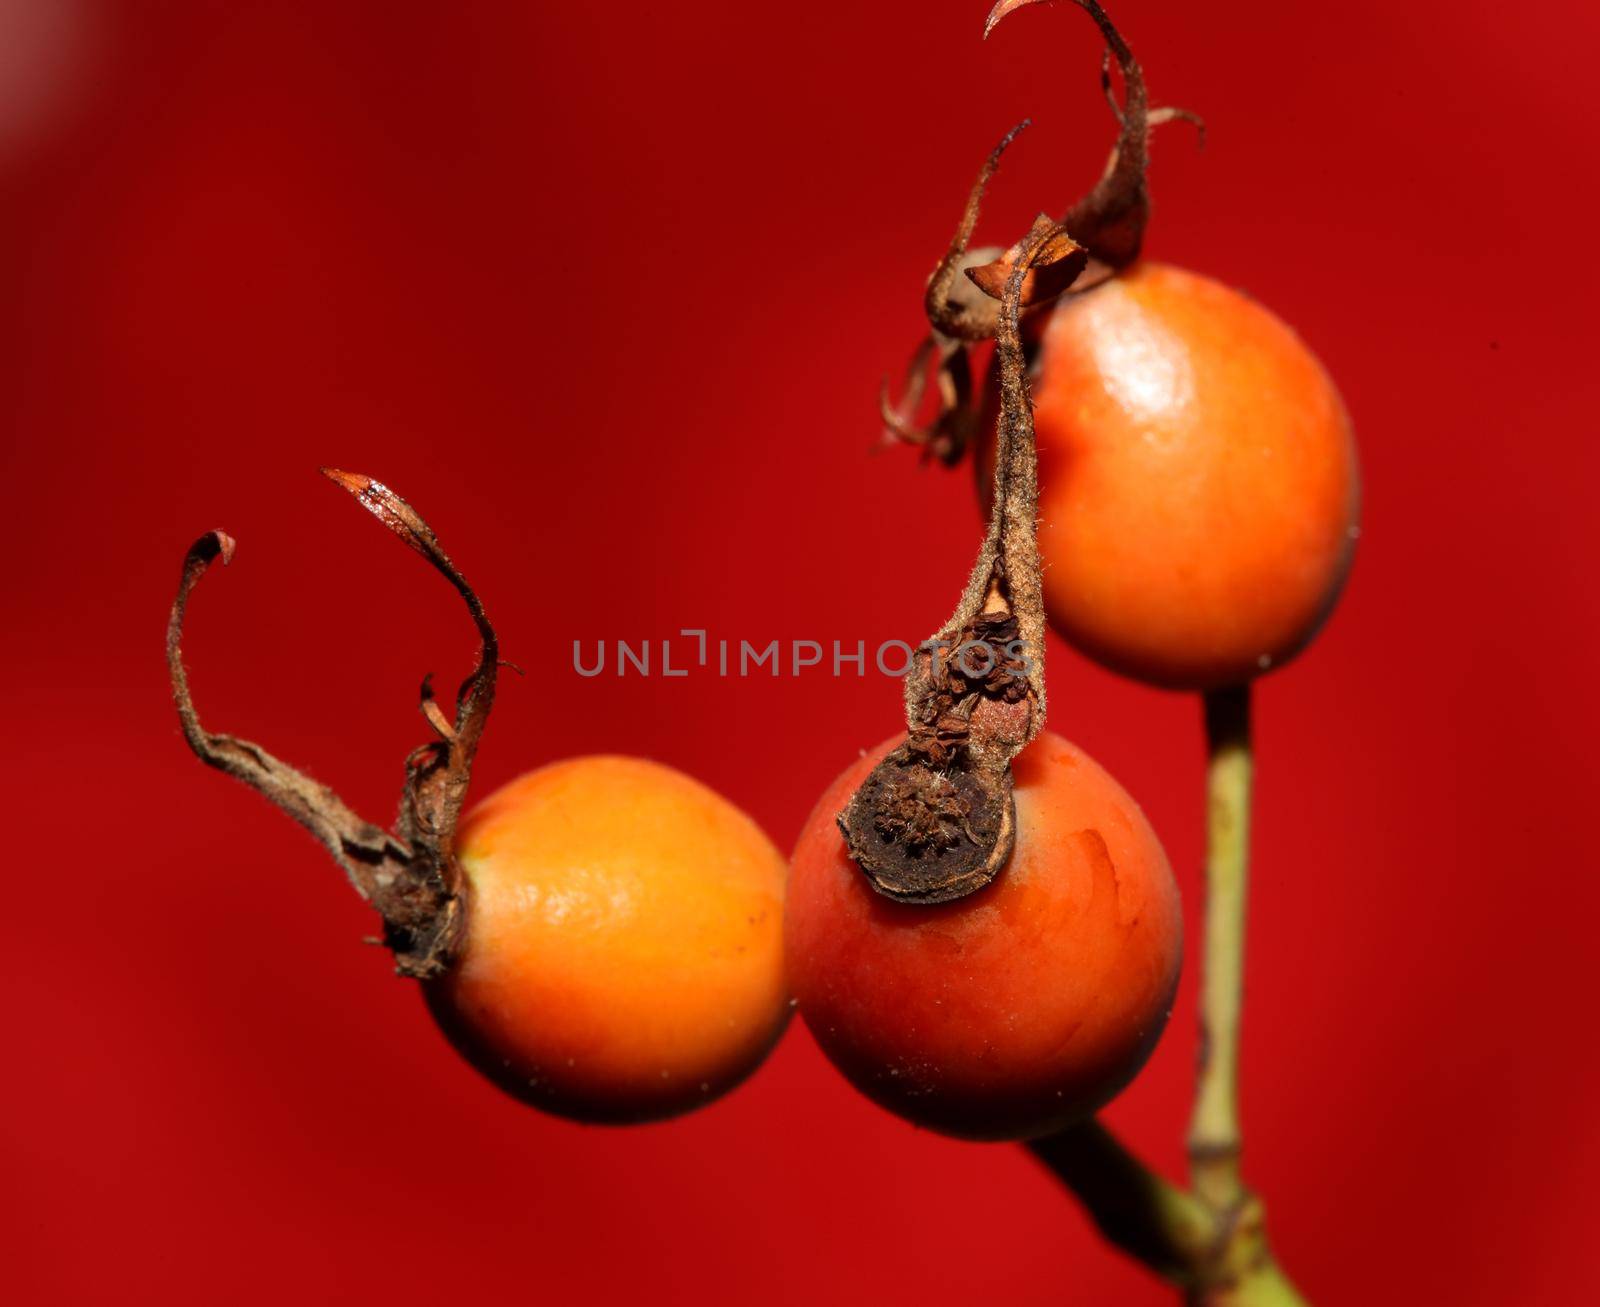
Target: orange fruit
(623, 958)
(1019, 1009)
(1199, 493)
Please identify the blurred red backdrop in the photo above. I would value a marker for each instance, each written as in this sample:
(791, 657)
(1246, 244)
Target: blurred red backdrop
(607, 291)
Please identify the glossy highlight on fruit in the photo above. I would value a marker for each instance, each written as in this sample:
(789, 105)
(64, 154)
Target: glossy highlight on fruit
(1019, 1009)
(1199, 493)
(623, 957)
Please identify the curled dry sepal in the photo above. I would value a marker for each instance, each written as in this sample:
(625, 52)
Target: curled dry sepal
(410, 875)
(935, 820)
(1105, 229)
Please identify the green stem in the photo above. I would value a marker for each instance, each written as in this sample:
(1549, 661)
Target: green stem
(1262, 1285)
(1241, 1270)
(1214, 1127)
(1145, 1215)
(1210, 1243)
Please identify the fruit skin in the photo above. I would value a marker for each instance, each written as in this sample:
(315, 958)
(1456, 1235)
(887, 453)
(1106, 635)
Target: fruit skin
(1015, 1011)
(623, 959)
(1199, 493)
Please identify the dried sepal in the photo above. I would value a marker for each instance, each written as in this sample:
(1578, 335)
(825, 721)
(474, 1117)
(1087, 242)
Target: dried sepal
(957, 417)
(1001, 10)
(436, 785)
(1156, 117)
(1170, 113)
(431, 710)
(1054, 269)
(899, 415)
(409, 875)
(1099, 235)
(1110, 220)
(1005, 581)
(951, 310)
(978, 817)
(935, 820)
(357, 845)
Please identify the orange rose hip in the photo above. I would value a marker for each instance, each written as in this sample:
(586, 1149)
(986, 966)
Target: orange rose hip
(1199, 494)
(602, 937)
(623, 956)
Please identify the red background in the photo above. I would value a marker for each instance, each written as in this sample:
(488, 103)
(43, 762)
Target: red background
(606, 291)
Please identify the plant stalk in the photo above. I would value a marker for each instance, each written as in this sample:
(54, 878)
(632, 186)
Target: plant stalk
(1145, 1215)
(1214, 1140)
(1210, 1242)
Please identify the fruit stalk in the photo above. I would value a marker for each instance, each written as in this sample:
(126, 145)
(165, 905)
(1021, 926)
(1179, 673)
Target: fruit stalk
(1214, 1141)
(1214, 1262)
(1240, 1272)
(1209, 1241)
(1147, 1216)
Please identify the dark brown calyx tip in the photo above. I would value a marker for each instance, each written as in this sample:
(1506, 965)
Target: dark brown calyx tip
(925, 834)
(935, 820)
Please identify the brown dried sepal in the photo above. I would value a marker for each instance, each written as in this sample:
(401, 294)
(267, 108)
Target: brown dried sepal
(927, 834)
(410, 875)
(1110, 220)
(1057, 265)
(934, 821)
(1100, 234)
(954, 312)
(959, 413)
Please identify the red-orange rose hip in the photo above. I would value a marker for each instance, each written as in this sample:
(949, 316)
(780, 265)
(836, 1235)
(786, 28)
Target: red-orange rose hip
(1012, 1012)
